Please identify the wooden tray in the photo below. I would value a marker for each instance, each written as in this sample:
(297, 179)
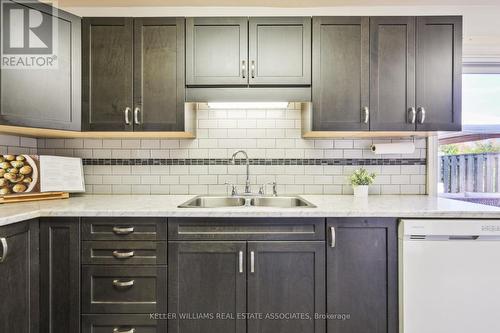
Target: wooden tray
(23, 197)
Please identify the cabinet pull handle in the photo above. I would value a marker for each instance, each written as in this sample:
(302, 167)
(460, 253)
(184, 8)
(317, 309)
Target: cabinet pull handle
(5, 249)
(123, 255)
(137, 111)
(332, 234)
(127, 117)
(422, 114)
(366, 112)
(413, 115)
(252, 262)
(123, 284)
(252, 68)
(119, 330)
(123, 230)
(240, 261)
(243, 69)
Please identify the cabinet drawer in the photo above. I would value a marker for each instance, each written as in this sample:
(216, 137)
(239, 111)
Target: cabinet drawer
(122, 324)
(124, 228)
(124, 253)
(246, 229)
(123, 289)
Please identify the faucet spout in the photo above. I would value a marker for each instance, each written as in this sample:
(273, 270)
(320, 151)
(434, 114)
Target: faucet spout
(247, 162)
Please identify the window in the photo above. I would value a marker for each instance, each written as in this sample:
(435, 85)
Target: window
(469, 161)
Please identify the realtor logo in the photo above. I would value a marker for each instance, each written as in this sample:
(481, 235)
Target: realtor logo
(28, 34)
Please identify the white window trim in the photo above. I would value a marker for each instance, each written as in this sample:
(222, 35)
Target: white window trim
(484, 65)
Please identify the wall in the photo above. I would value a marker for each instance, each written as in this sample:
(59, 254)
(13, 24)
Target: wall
(272, 140)
(11, 144)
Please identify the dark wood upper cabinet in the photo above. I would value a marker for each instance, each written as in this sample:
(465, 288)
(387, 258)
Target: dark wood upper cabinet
(207, 277)
(217, 51)
(361, 275)
(159, 87)
(286, 277)
(107, 74)
(392, 74)
(47, 97)
(340, 88)
(133, 74)
(439, 73)
(19, 268)
(279, 50)
(60, 274)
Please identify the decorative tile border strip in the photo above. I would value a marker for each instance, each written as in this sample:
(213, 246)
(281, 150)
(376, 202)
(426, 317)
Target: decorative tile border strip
(255, 161)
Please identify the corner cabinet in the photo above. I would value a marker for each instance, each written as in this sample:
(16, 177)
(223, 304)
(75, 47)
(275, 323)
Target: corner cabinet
(361, 275)
(133, 74)
(47, 97)
(19, 268)
(243, 51)
(387, 73)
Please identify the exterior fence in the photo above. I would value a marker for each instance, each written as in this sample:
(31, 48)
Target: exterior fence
(471, 173)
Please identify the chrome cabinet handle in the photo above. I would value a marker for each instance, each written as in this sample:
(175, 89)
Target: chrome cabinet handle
(123, 230)
(127, 117)
(119, 330)
(252, 262)
(123, 255)
(5, 249)
(422, 114)
(241, 261)
(366, 112)
(252, 68)
(137, 111)
(123, 284)
(243, 69)
(413, 115)
(332, 235)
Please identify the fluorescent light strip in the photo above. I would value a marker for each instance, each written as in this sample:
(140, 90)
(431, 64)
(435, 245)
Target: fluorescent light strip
(248, 105)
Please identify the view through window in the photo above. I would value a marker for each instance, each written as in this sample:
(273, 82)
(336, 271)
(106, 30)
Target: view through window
(470, 160)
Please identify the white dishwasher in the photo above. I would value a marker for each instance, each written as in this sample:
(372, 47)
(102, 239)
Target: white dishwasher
(449, 276)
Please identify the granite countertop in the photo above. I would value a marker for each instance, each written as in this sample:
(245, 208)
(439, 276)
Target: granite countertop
(327, 206)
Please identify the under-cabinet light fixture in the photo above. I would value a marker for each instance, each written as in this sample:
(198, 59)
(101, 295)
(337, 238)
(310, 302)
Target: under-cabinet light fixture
(247, 105)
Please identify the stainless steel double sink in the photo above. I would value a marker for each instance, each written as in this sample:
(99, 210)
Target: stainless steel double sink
(250, 201)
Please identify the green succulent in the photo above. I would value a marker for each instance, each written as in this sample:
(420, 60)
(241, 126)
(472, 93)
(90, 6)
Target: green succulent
(362, 177)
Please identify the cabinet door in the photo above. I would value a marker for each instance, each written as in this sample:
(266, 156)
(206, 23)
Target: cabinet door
(207, 277)
(107, 74)
(361, 270)
(49, 96)
(217, 51)
(280, 50)
(60, 274)
(286, 278)
(392, 74)
(340, 73)
(19, 310)
(159, 74)
(439, 73)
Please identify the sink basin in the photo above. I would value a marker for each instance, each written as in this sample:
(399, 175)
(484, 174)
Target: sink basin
(219, 202)
(281, 202)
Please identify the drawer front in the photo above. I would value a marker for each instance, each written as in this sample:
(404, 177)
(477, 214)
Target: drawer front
(124, 228)
(246, 229)
(124, 289)
(124, 253)
(122, 324)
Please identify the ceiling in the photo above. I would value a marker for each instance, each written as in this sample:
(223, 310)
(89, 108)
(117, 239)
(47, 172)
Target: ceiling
(270, 3)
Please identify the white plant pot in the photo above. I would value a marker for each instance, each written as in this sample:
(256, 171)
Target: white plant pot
(360, 190)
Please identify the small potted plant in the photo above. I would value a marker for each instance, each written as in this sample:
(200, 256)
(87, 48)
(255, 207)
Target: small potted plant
(361, 179)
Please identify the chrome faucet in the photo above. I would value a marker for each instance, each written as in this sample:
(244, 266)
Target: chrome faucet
(247, 183)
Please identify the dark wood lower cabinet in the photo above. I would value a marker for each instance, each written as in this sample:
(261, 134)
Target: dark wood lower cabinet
(286, 282)
(361, 273)
(60, 274)
(122, 324)
(19, 285)
(207, 278)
